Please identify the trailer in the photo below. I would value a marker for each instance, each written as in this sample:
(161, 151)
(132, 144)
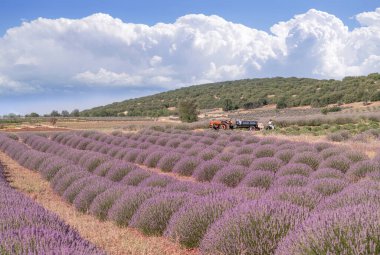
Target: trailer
(249, 124)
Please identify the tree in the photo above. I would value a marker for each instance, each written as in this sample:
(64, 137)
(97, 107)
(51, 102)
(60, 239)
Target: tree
(74, 113)
(227, 105)
(34, 115)
(281, 104)
(53, 121)
(65, 113)
(54, 113)
(187, 111)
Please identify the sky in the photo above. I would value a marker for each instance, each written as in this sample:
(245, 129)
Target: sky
(67, 54)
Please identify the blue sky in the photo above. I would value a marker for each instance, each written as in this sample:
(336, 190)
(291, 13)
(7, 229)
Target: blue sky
(253, 13)
(87, 60)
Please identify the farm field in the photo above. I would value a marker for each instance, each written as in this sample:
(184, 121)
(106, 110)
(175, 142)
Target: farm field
(211, 192)
(28, 228)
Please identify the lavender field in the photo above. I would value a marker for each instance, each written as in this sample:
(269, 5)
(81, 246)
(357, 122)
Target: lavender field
(27, 228)
(221, 193)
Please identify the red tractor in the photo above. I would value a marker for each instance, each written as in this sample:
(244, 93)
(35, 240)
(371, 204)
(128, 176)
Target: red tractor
(221, 124)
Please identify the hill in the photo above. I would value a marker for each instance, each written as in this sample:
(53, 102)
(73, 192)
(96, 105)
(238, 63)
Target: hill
(250, 94)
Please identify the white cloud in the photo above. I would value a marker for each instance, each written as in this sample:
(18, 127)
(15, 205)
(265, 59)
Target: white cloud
(103, 51)
(106, 78)
(369, 18)
(9, 86)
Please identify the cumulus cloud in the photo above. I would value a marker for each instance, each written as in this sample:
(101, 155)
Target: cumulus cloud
(105, 77)
(9, 86)
(103, 51)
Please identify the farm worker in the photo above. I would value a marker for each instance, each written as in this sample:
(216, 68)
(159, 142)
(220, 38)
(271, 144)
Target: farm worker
(270, 124)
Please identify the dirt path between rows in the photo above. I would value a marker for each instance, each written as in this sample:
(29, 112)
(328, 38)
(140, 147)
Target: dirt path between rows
(106, 235)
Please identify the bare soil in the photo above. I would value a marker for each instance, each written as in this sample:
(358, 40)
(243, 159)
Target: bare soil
(106, 235)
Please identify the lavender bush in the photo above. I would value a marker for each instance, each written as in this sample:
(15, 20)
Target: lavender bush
(153, 158)
(27, 228)
(328, 186)
(230, 176)
(154, 214)
(207, 170)
(340, 163)
(327, 173)
(259, 179)
(127, 204)
(309, 158)
(103, 202)
(266, 164)
(285, 155)
(167, 162)
(350, 196)
(252, 228)
(135, 177)
(157, 180)
(265, 151)
(118, 170)
(295, 169)
(186, 166)
(190, 223)
(85, 197)
(291, 181)
(242, 160)
(76, 187)
(360, 169)
(300, 196)
(349, 230)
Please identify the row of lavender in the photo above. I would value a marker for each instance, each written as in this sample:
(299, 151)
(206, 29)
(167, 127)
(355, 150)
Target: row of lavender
(27, 228)
(147, 207)
(194, 214)
(255, 163)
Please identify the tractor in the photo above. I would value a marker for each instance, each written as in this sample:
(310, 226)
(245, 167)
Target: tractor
(221, 124)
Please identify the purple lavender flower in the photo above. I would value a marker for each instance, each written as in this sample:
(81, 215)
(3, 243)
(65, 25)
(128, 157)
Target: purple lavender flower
(300, 196)
(168, 161)
(153, 158)
(263, 151)
(348, 230)
(328, 186)
(350, 196)
(285, 155)
(295, 169)
(135, 177)
(206, 170)
(157, 180)
(360, 169)
(243, 160)
(230, 176)
(118, 170)
(188, 225)
(327, 173)
(251, 228)
(340, 163)
(266, 164)
(295, 180)
(311, 159)
(104, 201)
(259, 179)
(127, 204)
(154, 214)
(186, 166)
(88, 193)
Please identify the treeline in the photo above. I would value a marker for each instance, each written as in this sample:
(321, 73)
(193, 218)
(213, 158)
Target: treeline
(250, 94)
